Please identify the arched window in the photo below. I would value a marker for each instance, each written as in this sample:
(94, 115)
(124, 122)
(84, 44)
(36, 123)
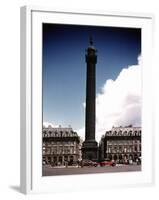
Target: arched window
(133, 133)
(120, 133)
(115, 133)
(49, 133)
(125, 133)
(130, 133)
(66, 133)
(56, 133)
(61, 133)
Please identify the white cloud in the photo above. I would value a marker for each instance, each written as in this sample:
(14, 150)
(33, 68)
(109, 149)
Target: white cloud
(81, 133)
(46, 124)
(119, 102)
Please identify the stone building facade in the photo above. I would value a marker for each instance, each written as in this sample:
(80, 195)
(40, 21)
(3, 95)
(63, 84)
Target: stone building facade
(60, 146)
(121, 143)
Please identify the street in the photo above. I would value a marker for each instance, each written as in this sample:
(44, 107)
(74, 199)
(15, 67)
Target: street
(48, 171)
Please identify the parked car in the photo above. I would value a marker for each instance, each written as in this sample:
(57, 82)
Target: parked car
(126, 162)
(88, 163)
(107, 163)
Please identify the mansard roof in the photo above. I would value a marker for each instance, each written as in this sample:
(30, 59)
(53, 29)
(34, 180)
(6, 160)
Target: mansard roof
(124, 131)
(59, 132)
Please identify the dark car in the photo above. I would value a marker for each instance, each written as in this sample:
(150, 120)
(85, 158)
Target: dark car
(107, 163)
(88, 163)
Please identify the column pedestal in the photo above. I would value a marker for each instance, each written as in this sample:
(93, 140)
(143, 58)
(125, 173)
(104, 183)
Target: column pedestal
(90, 150)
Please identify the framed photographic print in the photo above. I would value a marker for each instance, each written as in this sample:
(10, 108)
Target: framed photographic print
(86, 100)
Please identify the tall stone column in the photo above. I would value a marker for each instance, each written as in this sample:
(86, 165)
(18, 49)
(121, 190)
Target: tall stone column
(90, 146)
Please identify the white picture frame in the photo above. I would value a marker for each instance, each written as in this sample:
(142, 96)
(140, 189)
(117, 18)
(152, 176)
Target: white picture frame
(31, 101)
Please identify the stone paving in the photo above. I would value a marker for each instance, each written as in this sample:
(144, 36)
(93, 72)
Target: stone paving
(62, 170)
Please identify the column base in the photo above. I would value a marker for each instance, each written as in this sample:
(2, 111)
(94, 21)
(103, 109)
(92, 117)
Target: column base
(90, 150)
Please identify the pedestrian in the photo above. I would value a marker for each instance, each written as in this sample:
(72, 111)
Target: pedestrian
(66, 164)
(78, 163)
(82, 163)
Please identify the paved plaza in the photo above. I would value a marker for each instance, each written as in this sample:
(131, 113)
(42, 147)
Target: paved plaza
(50, 171)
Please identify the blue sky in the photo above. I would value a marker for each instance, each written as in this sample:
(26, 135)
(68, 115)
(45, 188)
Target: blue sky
(64, 67)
